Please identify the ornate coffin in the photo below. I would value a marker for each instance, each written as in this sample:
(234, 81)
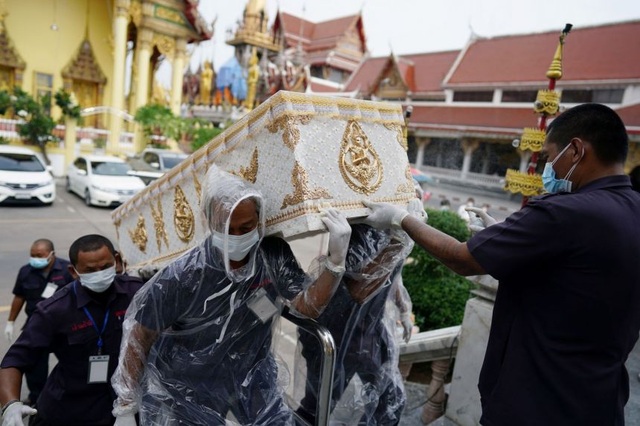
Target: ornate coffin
(302, 151)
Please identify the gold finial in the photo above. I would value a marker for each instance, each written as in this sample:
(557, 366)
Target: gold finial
(555, 69)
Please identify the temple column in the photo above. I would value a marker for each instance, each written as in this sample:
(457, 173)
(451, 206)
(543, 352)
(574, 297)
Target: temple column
(422, 143)
(70, 125)
(525, 156)
(143, 48)
(468, 147)
(117, 85)
(177, 74)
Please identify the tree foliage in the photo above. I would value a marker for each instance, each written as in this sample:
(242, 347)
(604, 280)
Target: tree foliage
(438, 294)
(36, 125)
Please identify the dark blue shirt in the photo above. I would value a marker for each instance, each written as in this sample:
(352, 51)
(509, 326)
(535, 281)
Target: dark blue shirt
(31, 282)
(59, 325)
(567, 312)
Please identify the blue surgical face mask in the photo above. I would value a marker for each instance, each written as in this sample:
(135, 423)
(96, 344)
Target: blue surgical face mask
(238, 246)
(552, 184)
(98, 281)
(39, 262)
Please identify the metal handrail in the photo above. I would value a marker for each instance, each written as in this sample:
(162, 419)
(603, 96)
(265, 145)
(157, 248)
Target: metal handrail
(327, 364)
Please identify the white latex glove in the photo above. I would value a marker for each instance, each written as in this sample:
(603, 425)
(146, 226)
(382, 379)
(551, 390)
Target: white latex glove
(384, 216)
(416, 209)
(339, 234)
(8, 331)
(407, 327)
(126, 420)
(15, 412)
(484, 222)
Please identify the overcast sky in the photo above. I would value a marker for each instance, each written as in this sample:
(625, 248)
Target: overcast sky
(416, 26)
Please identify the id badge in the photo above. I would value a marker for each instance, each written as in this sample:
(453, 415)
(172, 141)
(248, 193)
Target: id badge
(49, 290)
(98, 369)
(262, 306)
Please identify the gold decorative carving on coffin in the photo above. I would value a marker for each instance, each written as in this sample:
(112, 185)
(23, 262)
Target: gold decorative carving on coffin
(523, 183)
(359, 163)
(301, 190)
(547, 102)
(249, 173)
(532, 139)
(407, 187)
(289, 126)
(139, 235)
(183, 219)
(196, 184)
(399, 134)
(158, 224)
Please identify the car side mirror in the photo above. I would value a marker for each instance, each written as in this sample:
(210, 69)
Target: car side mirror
(49, 169)
(81, 172)
(155, 165)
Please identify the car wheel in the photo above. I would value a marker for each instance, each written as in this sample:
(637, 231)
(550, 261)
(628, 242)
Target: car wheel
(67, 186)
(87, 197)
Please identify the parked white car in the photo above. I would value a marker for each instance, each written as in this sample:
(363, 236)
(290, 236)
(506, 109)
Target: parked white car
(24, 178)
(102, 180)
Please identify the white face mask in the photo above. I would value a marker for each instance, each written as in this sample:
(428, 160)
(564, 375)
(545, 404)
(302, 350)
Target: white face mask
(238, 246)
(98, 281)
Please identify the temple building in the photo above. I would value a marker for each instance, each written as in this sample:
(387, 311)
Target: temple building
(471, 104)
(292, 54)
(104, 52)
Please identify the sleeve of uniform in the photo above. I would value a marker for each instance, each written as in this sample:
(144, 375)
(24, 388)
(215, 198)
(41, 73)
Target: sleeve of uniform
(287, 273)
(34, 341)
(527, 237)
(18, 289)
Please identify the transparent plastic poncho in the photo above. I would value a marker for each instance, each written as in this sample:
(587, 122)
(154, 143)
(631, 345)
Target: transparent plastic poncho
(367, 386)
(197, 337)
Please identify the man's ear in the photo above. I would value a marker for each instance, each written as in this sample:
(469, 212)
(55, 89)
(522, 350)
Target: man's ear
(72, 271)
(579, 148)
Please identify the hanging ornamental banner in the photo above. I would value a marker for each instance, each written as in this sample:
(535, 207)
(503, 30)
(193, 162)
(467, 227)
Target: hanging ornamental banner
(303, 152)
(523, 183)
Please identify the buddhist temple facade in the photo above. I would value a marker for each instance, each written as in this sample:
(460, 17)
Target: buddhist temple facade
(105, 53)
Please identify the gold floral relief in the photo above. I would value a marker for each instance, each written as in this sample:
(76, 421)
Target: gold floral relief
(400, 136)
(407, 187)
(523, 183)
(249, 173)
(301, 190)
(358, 161)
(158, 224)
(197, 185)
(183, 219)
(139, 235)
(289, 126)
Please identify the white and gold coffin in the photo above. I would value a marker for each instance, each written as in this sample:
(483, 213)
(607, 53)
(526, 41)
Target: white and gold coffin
(304, 152)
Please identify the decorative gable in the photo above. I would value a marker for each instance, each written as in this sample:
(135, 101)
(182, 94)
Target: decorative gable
(10, 59)
(84, 67)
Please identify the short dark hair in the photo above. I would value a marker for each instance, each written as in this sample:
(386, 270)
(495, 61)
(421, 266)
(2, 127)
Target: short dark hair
(44, 241)
(91, 242)
(595, 123)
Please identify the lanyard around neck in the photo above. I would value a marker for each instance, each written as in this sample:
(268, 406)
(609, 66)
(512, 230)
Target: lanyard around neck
(93, 323)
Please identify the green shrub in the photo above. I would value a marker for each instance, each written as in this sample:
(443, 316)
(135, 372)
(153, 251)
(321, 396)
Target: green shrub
(438, 294)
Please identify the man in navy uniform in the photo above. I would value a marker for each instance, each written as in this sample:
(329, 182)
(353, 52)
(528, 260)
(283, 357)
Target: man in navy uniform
(566, 315)
(38, 280)
(82, 325)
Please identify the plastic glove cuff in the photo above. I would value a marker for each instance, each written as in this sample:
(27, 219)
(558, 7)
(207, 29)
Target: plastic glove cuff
(336, 270)
(120, 409)
(398, 217)
(8, 404)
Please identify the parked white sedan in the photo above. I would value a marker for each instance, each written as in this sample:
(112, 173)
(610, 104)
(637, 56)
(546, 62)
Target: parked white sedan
(24, 178)
(102, 180)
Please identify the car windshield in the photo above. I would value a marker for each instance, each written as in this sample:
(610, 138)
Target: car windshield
(20, 162)
(173, 160)
(109, 168)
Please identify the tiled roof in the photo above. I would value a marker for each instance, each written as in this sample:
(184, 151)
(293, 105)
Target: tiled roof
(631, 117)
(605, 52)
(497, 120)
(314, 36)
(422, 72)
